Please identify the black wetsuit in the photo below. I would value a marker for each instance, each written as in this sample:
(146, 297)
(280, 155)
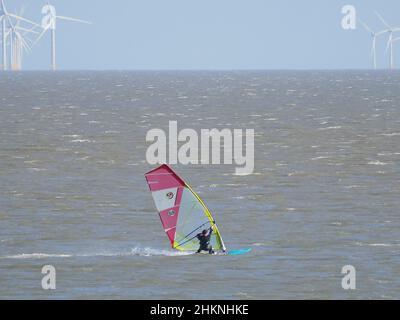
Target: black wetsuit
(205, 242)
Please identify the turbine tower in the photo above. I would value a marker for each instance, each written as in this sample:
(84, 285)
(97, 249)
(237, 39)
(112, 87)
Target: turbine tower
(374, 36)
(390, 30)
(395, 40)
(6, 18)
(49, 22)
(3, 36)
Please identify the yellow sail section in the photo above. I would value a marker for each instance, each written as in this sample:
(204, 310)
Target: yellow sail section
(208, 213)
(194, 217)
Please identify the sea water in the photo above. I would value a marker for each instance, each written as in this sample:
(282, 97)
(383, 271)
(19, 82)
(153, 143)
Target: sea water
(324, 192)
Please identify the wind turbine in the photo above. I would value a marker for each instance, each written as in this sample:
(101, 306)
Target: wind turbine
(49, 22)
(374, 35)
(6, 18)
(18, 44)
(390, 30)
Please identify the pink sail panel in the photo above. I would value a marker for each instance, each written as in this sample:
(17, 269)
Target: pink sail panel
(169, 220)
(166, 188)
(163, 178)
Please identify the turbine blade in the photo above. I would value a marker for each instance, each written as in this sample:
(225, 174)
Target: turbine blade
(9, 21)
(40, 36)
(26, 30)
(382, 32)
(26, 45)
(21, 13)
(23, 19)
(383, 20)
(23, 42)
(365, 26)
(73, 19)
(30, 42)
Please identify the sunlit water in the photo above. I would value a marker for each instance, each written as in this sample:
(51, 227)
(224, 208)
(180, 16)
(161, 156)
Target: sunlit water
(324, 193)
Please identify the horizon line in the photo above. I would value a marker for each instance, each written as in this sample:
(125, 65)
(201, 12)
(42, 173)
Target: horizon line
(195, 70)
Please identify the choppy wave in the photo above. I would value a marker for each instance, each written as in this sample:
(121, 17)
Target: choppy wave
(378, 244)
(81, 140)
(331, 128)
(137, 251)
(377, 163)
(391, 134)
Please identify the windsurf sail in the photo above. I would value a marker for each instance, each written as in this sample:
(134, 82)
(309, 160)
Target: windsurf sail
(183, 214)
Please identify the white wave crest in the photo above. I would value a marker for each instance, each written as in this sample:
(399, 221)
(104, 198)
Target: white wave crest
(157, 252)
(137, 251)
(37, 256)
(377, 163)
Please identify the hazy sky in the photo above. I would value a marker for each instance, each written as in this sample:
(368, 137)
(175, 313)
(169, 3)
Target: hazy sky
(210, 34)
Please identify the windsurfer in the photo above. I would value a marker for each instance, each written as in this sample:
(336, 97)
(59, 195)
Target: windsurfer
(204, 240)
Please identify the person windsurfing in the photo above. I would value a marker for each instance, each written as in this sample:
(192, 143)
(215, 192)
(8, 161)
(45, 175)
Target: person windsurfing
(204, 241)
